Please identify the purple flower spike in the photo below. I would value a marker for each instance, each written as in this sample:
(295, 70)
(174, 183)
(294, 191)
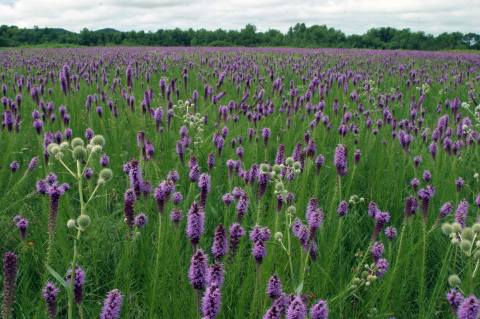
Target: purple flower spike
(274, 287)
(236, 233)
(211, 302)
(296, 309)
(195, 223)
(10, 267)
(78, 283)
(219, 246)
(112, 305)
(455, 298)
(129, 201)
(50, 293)
(469, 308)
(197, 272)
(22, 225)
(319, 310)
(342, 209)
(141, 220)
(340, 160)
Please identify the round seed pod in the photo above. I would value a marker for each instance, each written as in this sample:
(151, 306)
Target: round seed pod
(457, 227)
(77, 141)
(465, 245)
(468, 234)
(79, 153)
(83, 221)
(454, 280)
(106, 174)
(476, 228)
(71, 224)
(447, 228)
(53, 148)
(98, 140)
(64, 146)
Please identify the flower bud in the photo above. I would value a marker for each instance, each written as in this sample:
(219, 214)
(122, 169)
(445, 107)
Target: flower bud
(297, 166)
(476, 228)
(468, 234)
(278, 236)
(454, 281)
(106, 174)
(98, 140)
(53, 148)
(277, 168)
(77, 141)
(447, 228)
(71, 224)
(64, 146)
(96, 149)
(79, 153)
(83, 221)
(456, 227)
(465, 245)
(264, 168)
(291, 210)
(279, 187)
(477, 255)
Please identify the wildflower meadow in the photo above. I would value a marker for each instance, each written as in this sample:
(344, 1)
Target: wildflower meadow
(239, 183)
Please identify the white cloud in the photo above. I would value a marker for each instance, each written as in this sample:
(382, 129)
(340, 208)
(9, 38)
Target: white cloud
(350, 16)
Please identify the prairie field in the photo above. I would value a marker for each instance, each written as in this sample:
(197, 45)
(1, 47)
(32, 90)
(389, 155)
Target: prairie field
(239, 183)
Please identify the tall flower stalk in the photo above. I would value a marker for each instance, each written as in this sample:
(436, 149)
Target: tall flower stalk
(82, 156)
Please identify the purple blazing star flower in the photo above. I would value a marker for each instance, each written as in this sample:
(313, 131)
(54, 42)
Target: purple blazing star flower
(445, 210)
(462, 212)
(296, 309)
(274, 287)
(219, 246)
(377, 250)
(50, 292)
(340, 160)
(14, 166)
(10, 268)
(236, 233)
(176, 216)
(22, 225)
(469, 308)
(129, 201)
(319, 310)
(211, 302)
(195, 223)
(197, 272)
(411, 206)
(216, 275)
(78, 282)
(455, 298)
(390, 232)
(204, 185)
(459, 182)
(112, 305)
(381, 266)
(141, 220)
(342, 209)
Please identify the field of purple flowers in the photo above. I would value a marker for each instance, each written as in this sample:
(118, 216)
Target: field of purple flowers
(239, 183)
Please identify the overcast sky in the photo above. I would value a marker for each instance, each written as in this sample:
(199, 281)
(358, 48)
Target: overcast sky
(350, 16)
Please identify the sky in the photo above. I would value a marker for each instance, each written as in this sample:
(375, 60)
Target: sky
(350, 16)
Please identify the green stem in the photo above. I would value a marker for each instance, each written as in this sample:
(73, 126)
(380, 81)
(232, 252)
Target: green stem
(422, 270)
(155, 272)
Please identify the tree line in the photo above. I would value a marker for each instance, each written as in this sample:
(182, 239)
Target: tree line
(299, 35)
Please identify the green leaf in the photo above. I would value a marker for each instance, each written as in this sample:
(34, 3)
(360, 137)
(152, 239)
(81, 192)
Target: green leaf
(57, 277)
(299, 289)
